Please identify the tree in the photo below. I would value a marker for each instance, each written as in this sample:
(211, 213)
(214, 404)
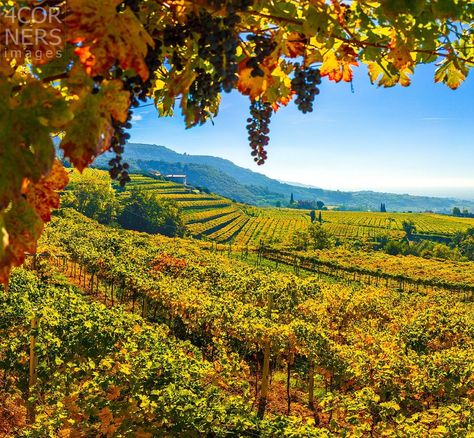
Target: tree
(93, 196)
(314, 237)
(319, 238)
(319, 205)
(300, 240)
(382, 208)
(204, 190)
(312, 215)
(292, 199)
(409, 228)
(82, 68)
(465, 242)
(456, 211)
(395, 247)
(144, 212)
(467, 247)
(305, 204)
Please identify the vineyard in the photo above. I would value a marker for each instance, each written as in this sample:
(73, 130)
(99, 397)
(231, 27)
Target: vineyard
(105, 371)
(372, 224)
(313, 357)
(137, 307)
(216, 218)
(250, 226)
(212, 217)
(403, 272)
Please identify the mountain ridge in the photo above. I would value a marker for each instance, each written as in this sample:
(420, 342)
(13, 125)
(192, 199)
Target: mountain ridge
(223, 177)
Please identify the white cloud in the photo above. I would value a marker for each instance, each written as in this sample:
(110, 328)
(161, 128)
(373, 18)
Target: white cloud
(137, 118)
(435, 119)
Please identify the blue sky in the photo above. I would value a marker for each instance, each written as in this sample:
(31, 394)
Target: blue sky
(415, 140)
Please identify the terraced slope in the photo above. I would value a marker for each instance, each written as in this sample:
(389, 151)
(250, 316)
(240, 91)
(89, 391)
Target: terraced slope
(188, 199)
(212, 217)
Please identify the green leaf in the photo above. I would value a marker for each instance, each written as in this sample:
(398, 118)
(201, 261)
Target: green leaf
(451, 72)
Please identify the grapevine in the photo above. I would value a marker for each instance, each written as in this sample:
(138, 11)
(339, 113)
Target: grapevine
(353, 336)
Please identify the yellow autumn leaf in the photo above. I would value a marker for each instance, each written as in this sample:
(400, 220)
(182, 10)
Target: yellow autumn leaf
(125, 368)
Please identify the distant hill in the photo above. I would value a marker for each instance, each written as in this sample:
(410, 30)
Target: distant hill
(223, 177)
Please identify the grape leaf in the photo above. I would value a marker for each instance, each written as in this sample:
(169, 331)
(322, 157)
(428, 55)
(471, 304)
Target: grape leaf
(28, 117)
(23, 227)
(12, 53)
(107, 35)
(44, 196)
(250, 85)
(294, 45)
(22, 223)
(88, 134)
(452, 73)
(400, 55)
(337, 65)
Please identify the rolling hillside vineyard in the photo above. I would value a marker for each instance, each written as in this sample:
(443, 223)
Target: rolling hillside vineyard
(135, 303)
(225, 178)
(224, 221)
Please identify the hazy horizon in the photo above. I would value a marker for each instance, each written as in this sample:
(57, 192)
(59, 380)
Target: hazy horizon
(440, 192)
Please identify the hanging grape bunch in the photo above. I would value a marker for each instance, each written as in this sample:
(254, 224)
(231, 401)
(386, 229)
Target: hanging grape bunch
(264, 47)
(202, 92)
(139, 91)
(217, 37)
(217, 40)
(258, 129)
(305, 85)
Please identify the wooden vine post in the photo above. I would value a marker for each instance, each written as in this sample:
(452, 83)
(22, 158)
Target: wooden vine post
(35, 258)
(262, 401)
(311, 391)
(289, 363)
(144, 306)
(33, 367)
(311, 384)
